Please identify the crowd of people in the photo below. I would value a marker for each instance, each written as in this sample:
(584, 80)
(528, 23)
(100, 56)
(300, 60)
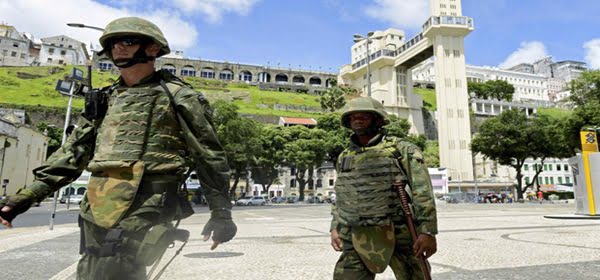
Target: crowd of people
(493, 197)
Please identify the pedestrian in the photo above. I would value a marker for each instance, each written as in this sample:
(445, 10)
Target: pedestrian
(540, 196)
(368, 226)
(138, 138)
(510, 197)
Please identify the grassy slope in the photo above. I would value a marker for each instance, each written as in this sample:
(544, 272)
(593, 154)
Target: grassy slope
(556, 113)
(41, 91)
(428, 98)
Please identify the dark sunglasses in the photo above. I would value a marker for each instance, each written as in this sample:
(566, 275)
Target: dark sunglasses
(126, 42)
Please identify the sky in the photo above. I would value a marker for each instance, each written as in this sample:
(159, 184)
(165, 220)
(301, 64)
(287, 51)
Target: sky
(317, 34)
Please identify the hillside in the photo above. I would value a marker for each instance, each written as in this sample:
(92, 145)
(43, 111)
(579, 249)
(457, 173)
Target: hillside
(34, 87)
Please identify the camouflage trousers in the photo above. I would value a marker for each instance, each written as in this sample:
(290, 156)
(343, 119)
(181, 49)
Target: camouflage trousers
(143, 214)
(404, 264)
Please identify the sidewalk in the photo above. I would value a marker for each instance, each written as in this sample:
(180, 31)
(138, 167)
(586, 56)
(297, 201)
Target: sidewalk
(475, 242)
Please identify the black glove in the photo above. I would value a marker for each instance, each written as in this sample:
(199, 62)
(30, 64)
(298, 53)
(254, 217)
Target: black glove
(220, 225)
(19, 202)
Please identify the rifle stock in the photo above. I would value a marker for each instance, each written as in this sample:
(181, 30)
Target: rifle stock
(404, 203)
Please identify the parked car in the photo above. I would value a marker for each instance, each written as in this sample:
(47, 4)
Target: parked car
(73, 199)
(278, 199)
(251, 200)
(291, 199)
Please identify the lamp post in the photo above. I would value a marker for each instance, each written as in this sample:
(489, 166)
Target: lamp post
(81, 25)
(459, 176)
(61, 87)
(369, 38)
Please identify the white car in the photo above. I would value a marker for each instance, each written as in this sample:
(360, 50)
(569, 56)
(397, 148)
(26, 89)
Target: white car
(73, 199)
(251, 200)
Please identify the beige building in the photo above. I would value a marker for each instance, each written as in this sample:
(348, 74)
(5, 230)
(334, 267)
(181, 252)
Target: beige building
(442, 36)
(62, 50)
(22, 149)
(14, 47)
(266, 77)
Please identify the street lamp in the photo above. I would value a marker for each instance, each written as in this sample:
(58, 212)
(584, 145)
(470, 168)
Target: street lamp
(81, 25)
(66, 88)
(459, 176)
(369, 38)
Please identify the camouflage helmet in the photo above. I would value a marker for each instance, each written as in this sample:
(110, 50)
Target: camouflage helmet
(134, 26)
(363, 104)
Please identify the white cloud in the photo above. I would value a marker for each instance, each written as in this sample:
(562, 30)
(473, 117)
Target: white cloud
(400, 13)
(215, 9)
(43, 18)
(592, 53)
(529, 52)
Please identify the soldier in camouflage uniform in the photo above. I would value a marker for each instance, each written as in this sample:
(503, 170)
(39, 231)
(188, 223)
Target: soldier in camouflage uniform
(368, 225)
(138, 153)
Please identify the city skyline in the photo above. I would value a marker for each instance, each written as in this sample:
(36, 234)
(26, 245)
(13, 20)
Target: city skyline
(317, 34)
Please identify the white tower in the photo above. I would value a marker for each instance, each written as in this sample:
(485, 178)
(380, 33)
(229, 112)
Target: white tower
(446, 32)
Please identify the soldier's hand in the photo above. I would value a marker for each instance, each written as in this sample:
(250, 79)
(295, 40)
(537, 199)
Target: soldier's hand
(5, 209)
(14, 205)
(220, 227)
(425, 245)
(336, 242)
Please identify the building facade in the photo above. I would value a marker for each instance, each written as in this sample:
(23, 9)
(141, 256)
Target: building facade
(14, 47)
(62, 50)
(266, 77)
(22, 149)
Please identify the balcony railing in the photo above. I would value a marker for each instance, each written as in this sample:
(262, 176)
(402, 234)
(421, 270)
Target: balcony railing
(434, 20)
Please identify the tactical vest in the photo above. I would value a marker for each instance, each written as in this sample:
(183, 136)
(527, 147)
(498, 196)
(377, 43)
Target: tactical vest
(364, 190)
(140, 125)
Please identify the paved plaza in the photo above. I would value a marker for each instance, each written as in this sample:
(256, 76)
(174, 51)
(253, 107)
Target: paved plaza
(499, 241)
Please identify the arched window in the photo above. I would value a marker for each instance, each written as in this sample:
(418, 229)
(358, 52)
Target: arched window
(315, 81)
(170, 68)
(226, 74)
(281, 78)
(298, 80)
(245, 76)
(207, 73)
(188, 71)
(293, 183)
(264, 77)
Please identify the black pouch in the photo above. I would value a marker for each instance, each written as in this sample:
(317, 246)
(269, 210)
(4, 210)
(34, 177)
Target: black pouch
(184, 207)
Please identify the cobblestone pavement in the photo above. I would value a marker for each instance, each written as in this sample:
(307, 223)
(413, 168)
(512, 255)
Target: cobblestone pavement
(502, 241)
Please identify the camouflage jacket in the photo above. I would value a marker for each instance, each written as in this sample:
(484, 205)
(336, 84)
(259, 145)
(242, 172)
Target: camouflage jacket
(206, 155)
(421, 189)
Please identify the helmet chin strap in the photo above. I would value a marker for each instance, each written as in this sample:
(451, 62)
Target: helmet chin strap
(139, 56)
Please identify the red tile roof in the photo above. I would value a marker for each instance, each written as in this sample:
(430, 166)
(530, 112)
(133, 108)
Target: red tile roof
(302, 121)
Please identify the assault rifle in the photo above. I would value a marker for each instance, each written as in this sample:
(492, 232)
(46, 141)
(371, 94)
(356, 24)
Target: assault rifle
(405, 204)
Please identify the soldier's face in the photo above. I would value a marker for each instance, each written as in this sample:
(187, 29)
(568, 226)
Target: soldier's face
(360, 122)
(123, 48)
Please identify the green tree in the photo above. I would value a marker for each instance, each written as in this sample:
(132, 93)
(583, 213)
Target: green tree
(495, 89)
(304, 150)
(512, 137)
(55, 134)
(332, 99)
(240, 139)
(337, 136)
(397, 127)
(266, 168)
(432, 154)
(585, 95)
